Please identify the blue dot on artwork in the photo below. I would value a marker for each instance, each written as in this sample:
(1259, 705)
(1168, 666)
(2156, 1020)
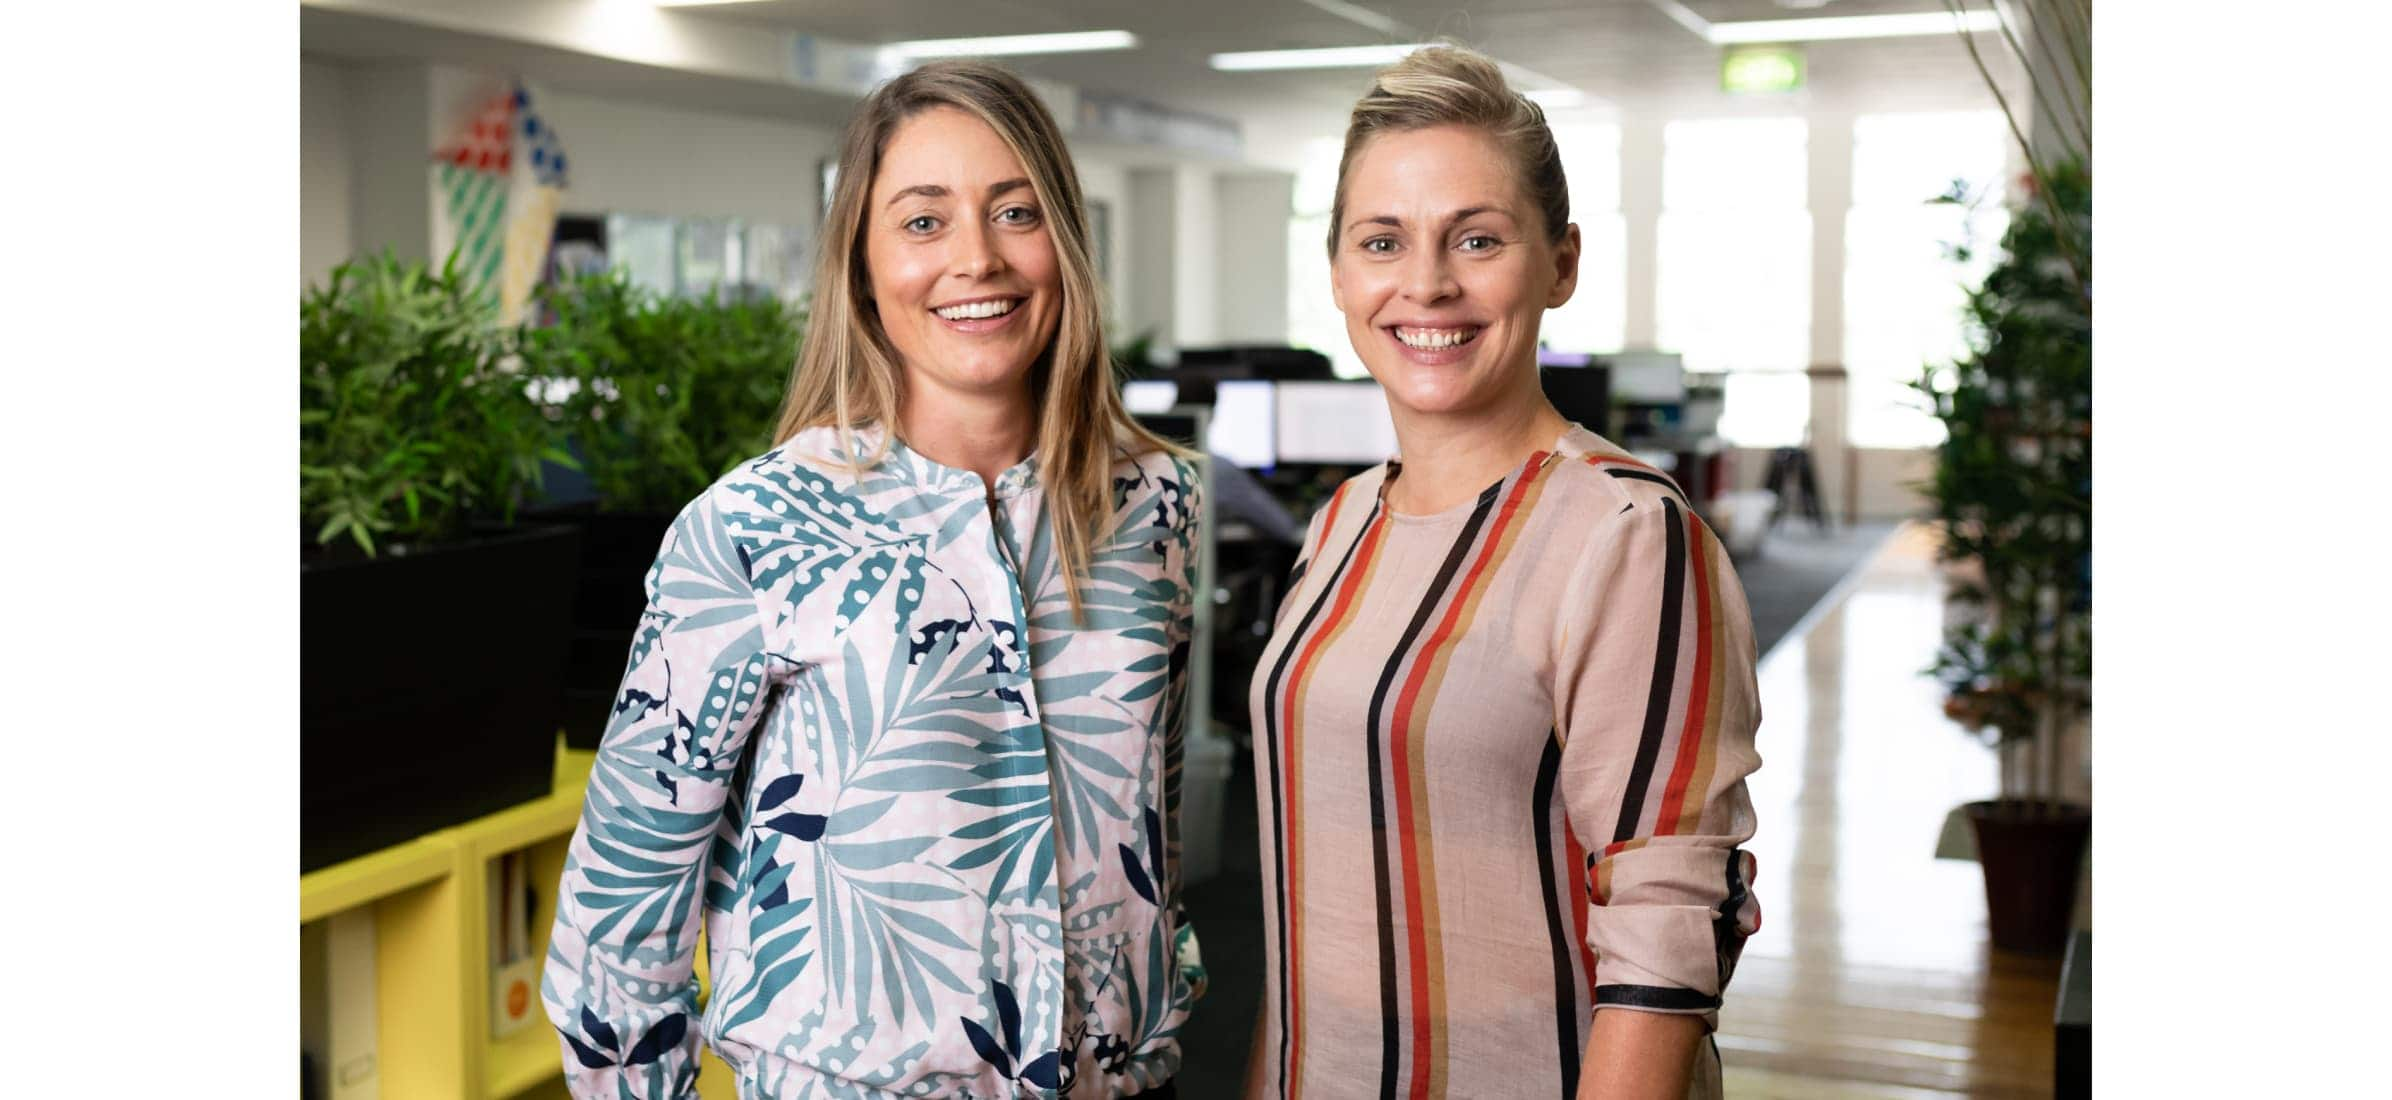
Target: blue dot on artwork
(531, 126)
(540, 157)
(522, 100)
(560, 162)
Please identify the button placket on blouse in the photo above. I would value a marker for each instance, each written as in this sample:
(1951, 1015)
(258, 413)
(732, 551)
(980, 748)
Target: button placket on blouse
(997, 513)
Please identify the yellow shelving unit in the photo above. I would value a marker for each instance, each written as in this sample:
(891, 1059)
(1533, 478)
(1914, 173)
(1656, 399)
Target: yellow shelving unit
(430, 898)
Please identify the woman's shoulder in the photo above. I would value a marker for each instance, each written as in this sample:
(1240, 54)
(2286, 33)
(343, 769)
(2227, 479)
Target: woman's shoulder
(1597, 473)
(814, 463)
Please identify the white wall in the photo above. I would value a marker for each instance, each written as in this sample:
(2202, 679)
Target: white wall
(367, 132)
(633, 158)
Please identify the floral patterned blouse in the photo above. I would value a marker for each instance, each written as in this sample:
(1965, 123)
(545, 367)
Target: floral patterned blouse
(928, 822)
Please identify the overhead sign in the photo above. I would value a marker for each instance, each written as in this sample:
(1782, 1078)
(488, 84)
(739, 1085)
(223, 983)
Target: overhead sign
(1761, 70)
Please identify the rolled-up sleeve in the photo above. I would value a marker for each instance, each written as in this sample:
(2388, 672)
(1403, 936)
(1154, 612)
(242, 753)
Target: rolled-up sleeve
(1656, 701)
(618, 982)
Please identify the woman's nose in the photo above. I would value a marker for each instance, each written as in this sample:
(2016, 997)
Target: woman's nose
(1428, 278)
(976, 254)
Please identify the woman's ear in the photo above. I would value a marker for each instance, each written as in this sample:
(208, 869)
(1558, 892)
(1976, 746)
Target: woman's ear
(1336, 286)
(1565, 269)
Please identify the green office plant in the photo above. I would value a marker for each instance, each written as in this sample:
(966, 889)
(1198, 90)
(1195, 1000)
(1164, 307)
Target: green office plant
(668, 393)
(411, 427)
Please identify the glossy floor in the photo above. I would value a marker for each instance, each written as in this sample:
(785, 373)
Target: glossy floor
(1871, 976)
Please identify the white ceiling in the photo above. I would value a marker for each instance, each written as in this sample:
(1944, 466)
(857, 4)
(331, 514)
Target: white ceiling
(1628, 54)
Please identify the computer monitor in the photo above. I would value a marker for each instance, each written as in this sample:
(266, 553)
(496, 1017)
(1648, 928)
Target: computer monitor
(1334, 423)
(1647, 377)
(1580, 394)
(1245, 424)
(1149, 395)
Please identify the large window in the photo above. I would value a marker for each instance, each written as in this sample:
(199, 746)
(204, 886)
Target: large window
(1596, 317)
(1903, 288)
(1733, 284)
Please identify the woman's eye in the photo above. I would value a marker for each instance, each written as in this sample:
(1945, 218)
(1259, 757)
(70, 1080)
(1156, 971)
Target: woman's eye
(1379, 244)
(1017, 215)
(923, 223)
(1479, 242)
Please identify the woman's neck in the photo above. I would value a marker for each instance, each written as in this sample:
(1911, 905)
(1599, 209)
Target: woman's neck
(985, 434)
(1447, 459)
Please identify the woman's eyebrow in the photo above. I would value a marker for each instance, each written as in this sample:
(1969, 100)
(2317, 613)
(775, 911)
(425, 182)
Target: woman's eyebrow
(1464, 214)
(935, 191)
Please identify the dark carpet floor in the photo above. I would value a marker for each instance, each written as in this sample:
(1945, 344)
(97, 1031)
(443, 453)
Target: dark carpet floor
(1796, 567)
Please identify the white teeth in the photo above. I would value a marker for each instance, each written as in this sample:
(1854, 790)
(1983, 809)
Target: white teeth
(977, 310)
(1433, 338)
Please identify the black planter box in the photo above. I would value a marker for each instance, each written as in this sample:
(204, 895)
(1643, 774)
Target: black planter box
(431, 687)
(610, 592)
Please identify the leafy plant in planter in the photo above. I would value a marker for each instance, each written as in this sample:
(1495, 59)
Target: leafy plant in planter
(433, 644)
(409, 428)
(668, 394)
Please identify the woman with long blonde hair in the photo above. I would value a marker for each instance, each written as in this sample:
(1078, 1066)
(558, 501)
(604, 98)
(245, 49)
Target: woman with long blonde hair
(901, 725)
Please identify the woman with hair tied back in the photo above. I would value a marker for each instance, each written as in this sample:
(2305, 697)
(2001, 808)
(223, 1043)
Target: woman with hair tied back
(1504, 720)
(900, 727)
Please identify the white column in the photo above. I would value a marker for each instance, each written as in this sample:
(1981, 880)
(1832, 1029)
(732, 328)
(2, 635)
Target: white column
(1830, 197)
(1195, 283)
(1249, 236)
(1640, 203)
(1148, 234)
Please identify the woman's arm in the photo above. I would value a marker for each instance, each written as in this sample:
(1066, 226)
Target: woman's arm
(1640, 1056)
(1656, 700)
(618, 982)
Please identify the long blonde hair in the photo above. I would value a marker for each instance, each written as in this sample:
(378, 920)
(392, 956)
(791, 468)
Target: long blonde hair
(847, 371)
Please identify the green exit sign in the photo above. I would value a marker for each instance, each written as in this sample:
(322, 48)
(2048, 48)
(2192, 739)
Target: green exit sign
(1768, 69)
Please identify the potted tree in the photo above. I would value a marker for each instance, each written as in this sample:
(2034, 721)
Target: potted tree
(433, 628)
(666, 394)
(2012, 491)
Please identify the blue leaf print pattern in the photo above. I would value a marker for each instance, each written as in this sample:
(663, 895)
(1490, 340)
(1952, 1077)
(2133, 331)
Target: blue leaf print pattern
(926, 821)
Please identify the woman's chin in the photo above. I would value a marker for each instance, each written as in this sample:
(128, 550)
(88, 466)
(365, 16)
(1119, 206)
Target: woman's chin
(1432, 396)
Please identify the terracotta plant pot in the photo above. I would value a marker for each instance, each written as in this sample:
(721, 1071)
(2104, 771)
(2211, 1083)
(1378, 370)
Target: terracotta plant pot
(2031, 853)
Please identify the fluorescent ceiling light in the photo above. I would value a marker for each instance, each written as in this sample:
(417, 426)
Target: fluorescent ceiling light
(1338, 57)
(1557, 98)
(1012, 45)
(700, 3)
(1849, 26)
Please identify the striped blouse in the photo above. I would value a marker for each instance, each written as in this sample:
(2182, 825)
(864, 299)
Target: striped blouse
(1500, 766)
